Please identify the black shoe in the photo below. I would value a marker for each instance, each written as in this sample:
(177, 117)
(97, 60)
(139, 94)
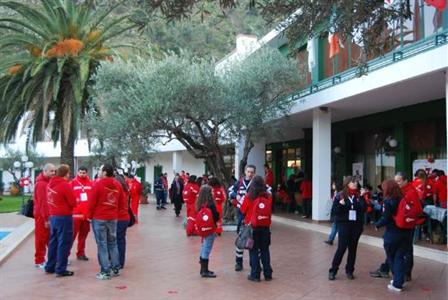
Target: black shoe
(408, 277)
(158, 208)
(163, 207)
(238, 267)
(65, 274)
(331, 276)
(268, 278)
(250, 278)
(350, 276)
(49, 272)
(329, 242)
(83, 258)
(379, 274)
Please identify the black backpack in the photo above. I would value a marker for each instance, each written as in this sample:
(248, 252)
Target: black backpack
(27, 209)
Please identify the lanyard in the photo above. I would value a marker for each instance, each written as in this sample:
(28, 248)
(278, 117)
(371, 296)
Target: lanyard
(82, 186)
(351, 200)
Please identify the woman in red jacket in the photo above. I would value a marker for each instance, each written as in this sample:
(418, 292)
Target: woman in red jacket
(257, 211)
(219, 194)
(190, 194)
(61, 202)
(122, 220)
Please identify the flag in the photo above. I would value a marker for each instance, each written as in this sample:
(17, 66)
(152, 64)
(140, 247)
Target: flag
(333, 40)
(438, 4)
(311, 55)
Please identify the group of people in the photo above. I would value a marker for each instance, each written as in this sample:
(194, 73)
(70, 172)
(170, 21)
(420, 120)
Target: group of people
(64, 210)
(402, 211)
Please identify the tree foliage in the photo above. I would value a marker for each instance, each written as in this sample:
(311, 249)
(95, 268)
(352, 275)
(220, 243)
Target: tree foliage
(50, 53)
(183, 97)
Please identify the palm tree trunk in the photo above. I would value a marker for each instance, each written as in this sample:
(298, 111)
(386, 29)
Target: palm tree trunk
(68, 145)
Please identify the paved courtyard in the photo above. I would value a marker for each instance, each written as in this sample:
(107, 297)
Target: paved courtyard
(162, 263)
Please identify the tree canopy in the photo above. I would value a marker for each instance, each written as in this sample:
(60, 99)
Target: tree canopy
(183, 97)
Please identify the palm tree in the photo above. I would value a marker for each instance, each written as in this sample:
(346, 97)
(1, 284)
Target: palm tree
(50, 53)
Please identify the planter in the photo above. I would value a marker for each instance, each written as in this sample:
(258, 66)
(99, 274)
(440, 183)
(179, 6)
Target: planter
(14, 190)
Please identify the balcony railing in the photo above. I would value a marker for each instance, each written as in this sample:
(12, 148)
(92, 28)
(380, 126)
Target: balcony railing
(390, 58)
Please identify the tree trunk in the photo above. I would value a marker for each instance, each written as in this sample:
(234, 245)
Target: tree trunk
(68, 146)
(248, 145)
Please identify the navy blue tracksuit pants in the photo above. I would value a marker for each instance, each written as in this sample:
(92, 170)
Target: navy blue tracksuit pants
(349, 234)
(397, 246)
(61, 239)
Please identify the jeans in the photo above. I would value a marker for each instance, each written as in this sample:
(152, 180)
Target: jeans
(207, 245)
(61, 238)
(349, 234)
(160, 197)
(165, 197)
(106, 240)
(122, 227)
(334, 231)
(396, 245)
(239, 217)
(260, 251)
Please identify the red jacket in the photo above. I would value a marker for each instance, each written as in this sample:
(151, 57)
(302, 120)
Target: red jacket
(82, 189)
(135, 188)
(106, 199)
(40, 208)
(269, 178)
(247, 207)
(410, 192)
(190, 193)
(123, 207)
(219, 194)
(307, 189)
(60, 198)
(440, 189)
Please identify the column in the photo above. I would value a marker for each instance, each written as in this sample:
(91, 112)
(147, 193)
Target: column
(256, 157)
(177, 162)
(321, 162)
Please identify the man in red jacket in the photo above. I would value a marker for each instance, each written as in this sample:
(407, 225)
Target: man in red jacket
(268, 175)
(82, 189)
(135, 190)
(40, 212)
(61, 202)
(104, 206)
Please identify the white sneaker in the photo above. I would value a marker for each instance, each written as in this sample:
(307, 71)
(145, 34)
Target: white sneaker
(392, 282)
(40, 266)
(102, 276)
(393, 289)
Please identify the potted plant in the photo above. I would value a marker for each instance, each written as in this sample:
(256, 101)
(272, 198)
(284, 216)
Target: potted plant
(14, 189)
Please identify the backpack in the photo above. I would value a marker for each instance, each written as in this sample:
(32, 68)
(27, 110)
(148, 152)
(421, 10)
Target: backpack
(204, 222)
(408, 213)
(262, 212)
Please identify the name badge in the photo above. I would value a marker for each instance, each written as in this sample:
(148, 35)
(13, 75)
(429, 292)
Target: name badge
(352, 215)
(83, 196)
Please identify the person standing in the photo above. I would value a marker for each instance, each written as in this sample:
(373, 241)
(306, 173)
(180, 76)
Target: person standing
(219, 194)
(236, 194)
(41, 214)
(165, 189)
(348, 208)
(82, 189)
(268, 175)
(190, 194)
(159, 190)
(104, 206)
(122, 220)
(207, 216)
(177, 188)
(61, 202)
(396, 240)
(257, 210)
(306, 189)
(334, 225)
(135, 190)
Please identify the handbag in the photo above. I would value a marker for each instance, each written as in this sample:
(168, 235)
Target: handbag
(245, 240)
(131, 214)
(27, 209)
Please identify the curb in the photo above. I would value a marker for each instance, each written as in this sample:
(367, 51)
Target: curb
(15, 239)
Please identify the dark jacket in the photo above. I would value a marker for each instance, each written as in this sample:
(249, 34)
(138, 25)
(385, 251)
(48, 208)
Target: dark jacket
(158, 185)
(341, 212)
(387, 218)
(215, 213)
(176, 194)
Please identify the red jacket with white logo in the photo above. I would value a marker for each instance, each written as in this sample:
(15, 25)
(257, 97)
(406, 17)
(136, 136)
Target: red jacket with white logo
(40, 208)
(247, 207)
(219, 194)
(60, 198)
(82, 189)
(190, 193)
(106, 199)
